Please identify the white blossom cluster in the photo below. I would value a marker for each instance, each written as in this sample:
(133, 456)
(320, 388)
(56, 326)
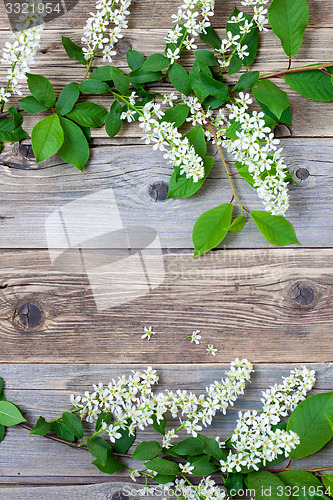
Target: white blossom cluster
(207, 489)
(254, 440)
(191, 19)
(233, 44)
(256, 148)
(20, 54)
(132, 399)
(103, 29)
(163, 134)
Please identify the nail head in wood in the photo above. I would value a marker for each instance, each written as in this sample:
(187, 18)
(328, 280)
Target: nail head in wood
(158, 191)
(29, 316)
(303, 294)
(302, 173)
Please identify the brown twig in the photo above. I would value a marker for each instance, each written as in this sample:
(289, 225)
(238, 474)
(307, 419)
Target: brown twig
(68, 443)
(279, 74)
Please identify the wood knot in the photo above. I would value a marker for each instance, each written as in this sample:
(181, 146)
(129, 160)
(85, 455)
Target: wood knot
(303, 294)
(124, 46)
(28, 316)
(118, 495)
(158, 191)
(282, 130)
(302, 173)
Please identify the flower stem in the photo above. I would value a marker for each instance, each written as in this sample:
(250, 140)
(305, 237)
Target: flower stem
(279, 74)
(224, 163)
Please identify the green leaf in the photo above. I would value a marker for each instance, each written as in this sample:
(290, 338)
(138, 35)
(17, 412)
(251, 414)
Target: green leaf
(211, 37)
(73, 50)
(31, 105)
(111, 73)
(212, 102)
(61, 431)
(73, 424)
(207, 57)
(198, 86)
(313, 84)
(177, 114)
(288, 21)
(330, 419)
(304, 486)
(102, 417)
(180, 79)
(275, 228)
(2, 396)
(203, 466)
(47, 137)
(269, 94)
(88, 114)
(155, 62)
(286, 116)
(123, 444)
(68, 97)
(41, 88)
(110, 466)
(212, 448)
(266, 485)
(139, 76)
(214, 87)
(247, 81)
(41, 428)
(234, 482)
(181, 187)
(327, 480)
(237, 224)
(309, 422)
(232, 129)
(2, 432)
(190, 446)
(159, 426)
(75, 148)
(147, 450)
(99, 449)
(209, 230)
(161, 479)
(1, 381)
(251, 40)
(10, 414)
(162, 466)
(94, 87)
(113, 122)
(197, 139)
(135, 59)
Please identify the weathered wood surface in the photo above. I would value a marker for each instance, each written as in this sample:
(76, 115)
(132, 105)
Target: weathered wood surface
(268, 305)
(148, 13)
(310, 119)
(139, 178)
(45, 389)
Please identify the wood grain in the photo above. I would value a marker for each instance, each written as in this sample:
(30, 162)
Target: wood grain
(45, 389)
(268, 305)
(139, 177)
(148, 13)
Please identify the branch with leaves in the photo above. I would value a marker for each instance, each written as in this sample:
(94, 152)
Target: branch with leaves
(218, 112)
(245, 459)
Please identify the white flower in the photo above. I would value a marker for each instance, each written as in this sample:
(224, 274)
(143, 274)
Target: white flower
(148, 333)
(168, 99)
(210, 350)
(128, 115)
(173, 55)
(4, 96)
(134, 474)
(195, 337)
(187, 468)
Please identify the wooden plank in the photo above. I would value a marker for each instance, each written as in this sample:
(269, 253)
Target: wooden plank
(148, 14)
(139, 177)
(319, 118)
(45, 389)
(266, 304)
